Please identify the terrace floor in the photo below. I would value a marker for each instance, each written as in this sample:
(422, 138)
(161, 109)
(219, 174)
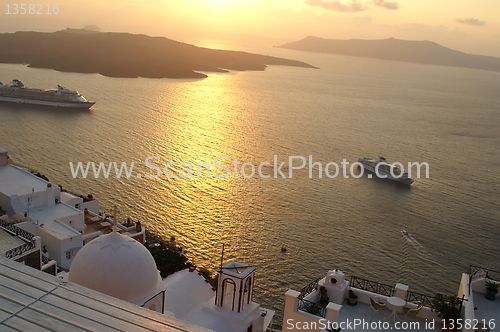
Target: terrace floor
(486, 309)
(94, 224)
(377, 321)
(8, 241)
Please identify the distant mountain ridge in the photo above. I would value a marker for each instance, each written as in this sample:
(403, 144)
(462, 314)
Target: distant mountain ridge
(125, 55)
(425, 52)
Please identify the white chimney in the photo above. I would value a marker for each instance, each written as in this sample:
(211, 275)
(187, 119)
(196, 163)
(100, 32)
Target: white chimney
(50, 195)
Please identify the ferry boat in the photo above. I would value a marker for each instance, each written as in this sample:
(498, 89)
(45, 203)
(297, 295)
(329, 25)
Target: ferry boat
(17, 92)
(384, 170)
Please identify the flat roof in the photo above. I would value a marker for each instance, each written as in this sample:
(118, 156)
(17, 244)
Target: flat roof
(58, 230)
(16, 181)
(485, 310)
(32, 300)
(56, 211)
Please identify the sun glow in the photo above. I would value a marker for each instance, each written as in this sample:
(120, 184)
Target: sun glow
(220, 2)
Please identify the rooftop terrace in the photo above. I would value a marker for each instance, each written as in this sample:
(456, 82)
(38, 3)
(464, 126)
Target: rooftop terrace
(325, 300)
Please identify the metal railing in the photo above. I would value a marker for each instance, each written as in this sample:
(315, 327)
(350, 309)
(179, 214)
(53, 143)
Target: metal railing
(490, 274)
(45, 260)
(359, 283)
(311, 307)
(371, 286)
(17, 231)
(18, 251)
(308, 289)
(419, 297)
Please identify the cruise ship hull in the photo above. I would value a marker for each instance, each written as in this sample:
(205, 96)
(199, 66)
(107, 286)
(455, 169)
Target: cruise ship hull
(382, 173)
(64, 104)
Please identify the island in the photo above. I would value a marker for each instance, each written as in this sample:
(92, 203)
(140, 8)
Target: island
(425, 52)
(126, 55)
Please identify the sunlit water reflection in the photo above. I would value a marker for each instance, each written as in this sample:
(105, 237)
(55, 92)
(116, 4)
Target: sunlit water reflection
(350, 108)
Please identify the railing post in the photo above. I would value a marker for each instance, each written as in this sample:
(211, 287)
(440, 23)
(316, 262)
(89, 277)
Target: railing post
(401, 290)
(38, 242)
(332, 312)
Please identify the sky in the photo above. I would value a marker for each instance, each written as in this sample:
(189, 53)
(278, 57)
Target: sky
(464, 25)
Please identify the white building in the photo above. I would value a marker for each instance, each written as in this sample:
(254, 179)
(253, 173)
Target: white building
(119, 266)
(57, 217)
(305, 311)
(228, 308)
(35, 301)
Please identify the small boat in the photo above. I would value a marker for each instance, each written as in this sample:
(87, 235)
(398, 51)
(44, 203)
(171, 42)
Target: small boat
(405, 233)
(384, 170)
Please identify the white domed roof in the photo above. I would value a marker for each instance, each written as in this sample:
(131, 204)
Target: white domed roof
(116, 265)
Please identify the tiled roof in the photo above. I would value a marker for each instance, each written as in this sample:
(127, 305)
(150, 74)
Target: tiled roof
(31, 300)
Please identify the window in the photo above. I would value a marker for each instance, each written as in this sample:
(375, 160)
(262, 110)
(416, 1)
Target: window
(68, 254)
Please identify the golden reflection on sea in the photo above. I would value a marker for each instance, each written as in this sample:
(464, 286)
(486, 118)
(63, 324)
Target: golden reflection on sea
(195, 126)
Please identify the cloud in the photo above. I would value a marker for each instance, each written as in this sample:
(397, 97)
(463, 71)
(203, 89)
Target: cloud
(471, 21)
(386, 4)
(352, 6)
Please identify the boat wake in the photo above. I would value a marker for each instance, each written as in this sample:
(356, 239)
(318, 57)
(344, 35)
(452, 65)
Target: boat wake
(410, 239)
(414, 255)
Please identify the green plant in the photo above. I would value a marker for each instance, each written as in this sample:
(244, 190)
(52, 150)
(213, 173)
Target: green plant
(324, 299)
(446, 306)
(352, 299)
(492, 286)
(167, 261)
(2, 211)
(312, 308)
(208, 275)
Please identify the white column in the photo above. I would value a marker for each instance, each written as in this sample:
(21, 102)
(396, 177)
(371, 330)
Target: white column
(38, 242)
(401, 291)
(290, 305)
(332, 312)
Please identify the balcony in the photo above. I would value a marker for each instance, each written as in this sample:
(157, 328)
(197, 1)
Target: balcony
(96, 225)
(476, 307)
(304, 310)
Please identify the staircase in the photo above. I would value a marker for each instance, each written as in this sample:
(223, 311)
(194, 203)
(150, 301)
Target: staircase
(17, 205)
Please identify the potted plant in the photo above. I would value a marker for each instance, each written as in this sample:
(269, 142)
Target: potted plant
(352, 299)
(312, 308)
(491, 290)
(324, 299)
(447, 309)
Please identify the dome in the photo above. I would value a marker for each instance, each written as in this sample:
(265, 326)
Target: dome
(116, 265)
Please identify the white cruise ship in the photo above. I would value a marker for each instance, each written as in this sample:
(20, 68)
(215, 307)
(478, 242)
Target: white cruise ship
(60, 97)
(384, 170)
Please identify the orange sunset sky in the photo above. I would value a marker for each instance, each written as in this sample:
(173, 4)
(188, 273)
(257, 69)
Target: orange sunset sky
(468, 26)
